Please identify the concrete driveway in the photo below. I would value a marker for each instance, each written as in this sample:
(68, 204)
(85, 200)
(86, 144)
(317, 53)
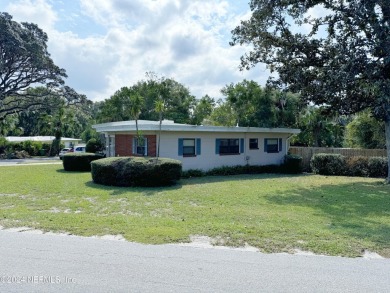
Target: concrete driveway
(55, 263)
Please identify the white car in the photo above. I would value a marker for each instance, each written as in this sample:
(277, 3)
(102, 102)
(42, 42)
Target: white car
(63, 152)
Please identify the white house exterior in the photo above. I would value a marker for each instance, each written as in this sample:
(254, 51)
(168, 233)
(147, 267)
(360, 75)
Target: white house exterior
(198, 147)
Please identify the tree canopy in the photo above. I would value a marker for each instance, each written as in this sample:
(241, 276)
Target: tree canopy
(339, 60)
(24, 62)
(259, 107)
(179, 104)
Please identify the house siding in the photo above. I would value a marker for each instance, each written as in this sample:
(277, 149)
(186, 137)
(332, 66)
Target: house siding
(208, 158)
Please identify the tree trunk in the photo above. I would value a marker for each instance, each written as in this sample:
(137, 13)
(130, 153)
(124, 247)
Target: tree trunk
(136, 128)
(159, 136)
(387, 127)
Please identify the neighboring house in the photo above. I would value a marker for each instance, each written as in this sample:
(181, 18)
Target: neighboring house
(198, 147)
(68, 142)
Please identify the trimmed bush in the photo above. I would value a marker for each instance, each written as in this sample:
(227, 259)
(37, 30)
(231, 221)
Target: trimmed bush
(93, 146)
(247, 169)
(357, 166)
(193, 173)
(136, 171)
(79, 161)
(328, 164)
(292, 164)
(377, 167)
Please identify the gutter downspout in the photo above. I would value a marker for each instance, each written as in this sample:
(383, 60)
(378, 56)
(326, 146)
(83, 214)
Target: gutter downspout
(288, 143)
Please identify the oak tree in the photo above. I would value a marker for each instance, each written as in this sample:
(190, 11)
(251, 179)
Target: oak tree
(24, 62)
(333, 53)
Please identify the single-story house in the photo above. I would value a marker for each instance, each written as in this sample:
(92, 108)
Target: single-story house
(67, 141)
(198, 147)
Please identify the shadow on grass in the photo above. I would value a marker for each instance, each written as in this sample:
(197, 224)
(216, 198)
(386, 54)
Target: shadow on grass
(241, 177)
(71, 172)
(146, 191)
(150, 191)
(360, 209)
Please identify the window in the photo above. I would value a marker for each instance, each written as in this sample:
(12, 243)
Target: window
(273, 145)
(188, 147)
(140, 146)
(229, 146)
(253, 144)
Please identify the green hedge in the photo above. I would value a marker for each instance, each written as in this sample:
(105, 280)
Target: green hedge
(33, 148)
(328, 164)
(377, 167)
(335, 164)
(79, 161)
(292, 164)
(136, 171)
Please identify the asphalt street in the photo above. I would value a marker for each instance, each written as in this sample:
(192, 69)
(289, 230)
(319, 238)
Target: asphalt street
(55, 263)
(30, 161)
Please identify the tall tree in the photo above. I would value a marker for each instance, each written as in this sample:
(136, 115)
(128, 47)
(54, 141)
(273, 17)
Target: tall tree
(365, 132)
(203, 109)
(222, 115)
(24, 62)
(159, 107)
(255, 106)
(179, 103)
(319, 129)
(136, 102)
(342, 62)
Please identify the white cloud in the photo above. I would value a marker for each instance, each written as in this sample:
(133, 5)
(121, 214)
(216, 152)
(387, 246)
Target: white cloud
(186, 40)
(39, 12)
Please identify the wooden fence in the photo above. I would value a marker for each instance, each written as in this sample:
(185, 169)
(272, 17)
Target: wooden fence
(307, 152)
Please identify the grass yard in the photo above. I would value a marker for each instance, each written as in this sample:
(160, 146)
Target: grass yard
(275, 213)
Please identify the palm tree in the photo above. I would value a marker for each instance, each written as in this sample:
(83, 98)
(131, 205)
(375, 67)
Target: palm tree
(135, 107)
(159, 107)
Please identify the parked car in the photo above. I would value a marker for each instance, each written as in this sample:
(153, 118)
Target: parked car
(63, 152)
(79, 149)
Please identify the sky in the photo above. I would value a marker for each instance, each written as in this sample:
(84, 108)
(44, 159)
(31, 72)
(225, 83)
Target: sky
(106, 44)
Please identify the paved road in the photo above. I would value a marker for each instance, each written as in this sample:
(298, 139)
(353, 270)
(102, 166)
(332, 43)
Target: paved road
(54, 263)
(44, 160)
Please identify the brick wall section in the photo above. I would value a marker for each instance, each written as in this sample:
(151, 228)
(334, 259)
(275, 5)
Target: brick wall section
(124, 145)
(152, 145)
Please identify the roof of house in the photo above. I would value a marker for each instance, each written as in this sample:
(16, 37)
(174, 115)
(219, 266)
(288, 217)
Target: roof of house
(38, 138)
(169, 125)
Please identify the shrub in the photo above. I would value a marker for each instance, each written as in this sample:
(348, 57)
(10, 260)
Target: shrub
(247, 169)
(79, 161)
(357, 166)
(227, 170)
(377, 167)
(93, 146)
(292, 164)
(31, 147)
(193, 173)
(328, 164)
(136, 171)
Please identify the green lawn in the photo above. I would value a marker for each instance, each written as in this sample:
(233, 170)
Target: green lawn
(276, 213)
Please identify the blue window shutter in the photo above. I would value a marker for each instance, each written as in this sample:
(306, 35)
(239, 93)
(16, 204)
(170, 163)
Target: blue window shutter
(198, 146)
(217, 143)
(265, 144)
(242, 145)
(280, 144)
(180, 151)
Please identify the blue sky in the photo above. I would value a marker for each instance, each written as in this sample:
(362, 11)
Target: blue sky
(107, 44)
